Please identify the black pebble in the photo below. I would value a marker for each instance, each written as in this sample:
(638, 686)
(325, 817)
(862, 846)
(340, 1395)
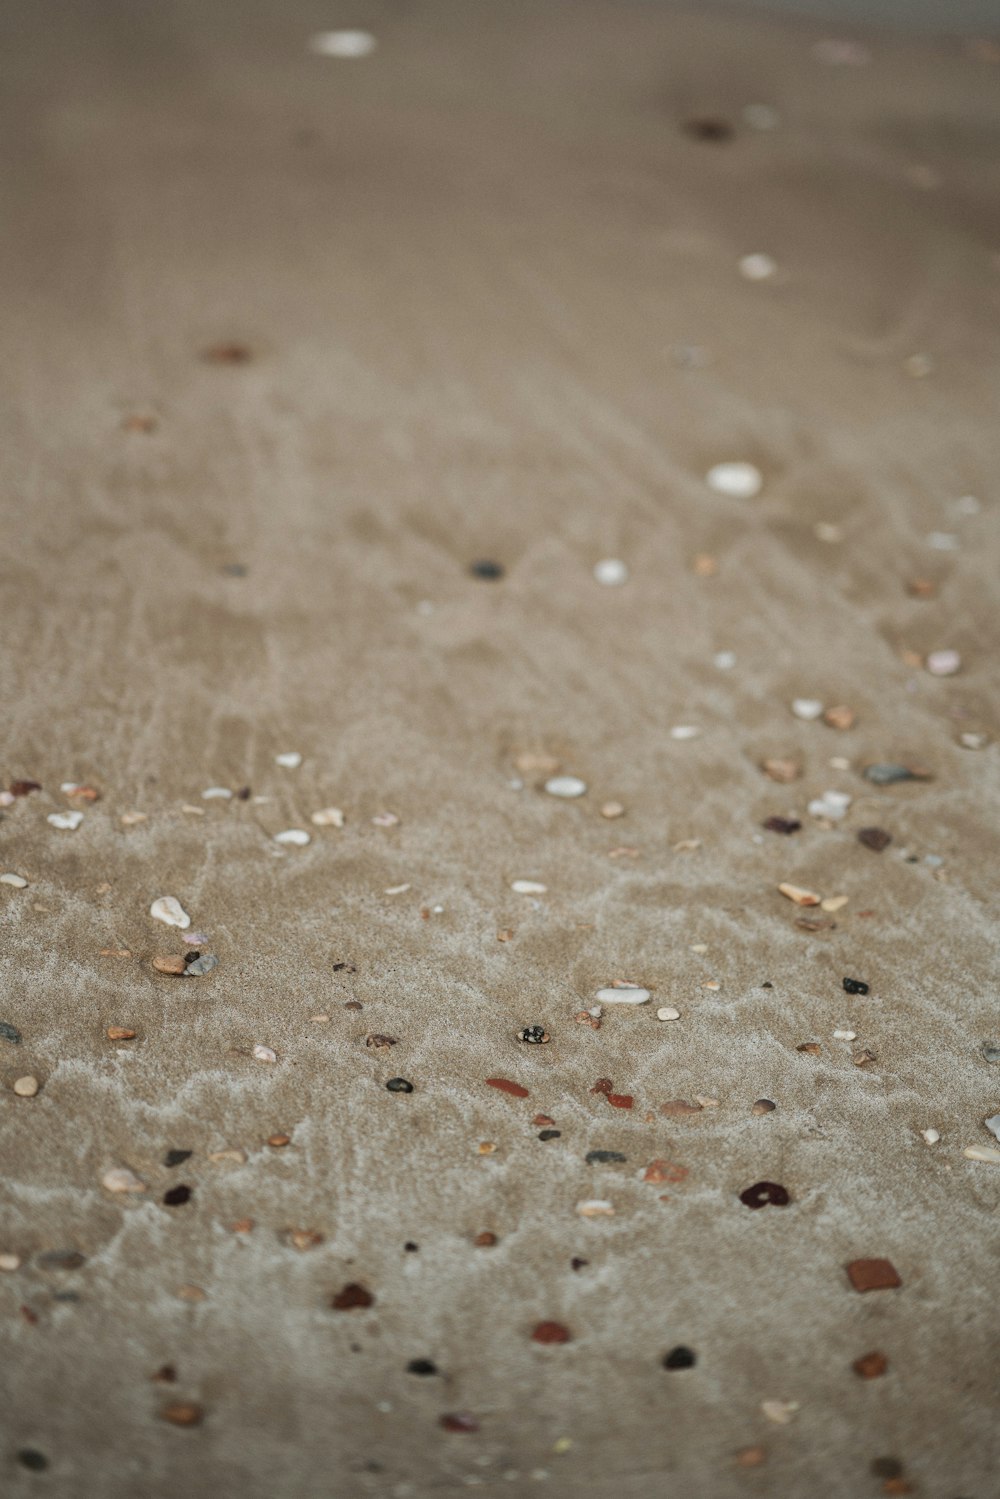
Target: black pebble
(576, 1263)
(706, 128)
(30, 1457)
(176, 1157)
(486, 569)
(761, 1194)
(887, 1467)
(410, 1247)
(767, 984)
(10, 1032)
(177, 1196)
(536, 1034)
(782, 824)
(60, 1259)
(549, 1134)
(421, 1366)
(399, 1085)
(604, 1156)
(855, 986)
(679, 1358)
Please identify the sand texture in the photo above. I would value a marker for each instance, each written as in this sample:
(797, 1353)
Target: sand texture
(489, 293)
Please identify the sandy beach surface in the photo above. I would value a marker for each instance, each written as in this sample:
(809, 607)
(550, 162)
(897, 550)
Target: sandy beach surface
(291, 341)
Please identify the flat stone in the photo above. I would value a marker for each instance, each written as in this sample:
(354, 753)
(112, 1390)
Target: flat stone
(69, 821)
(505, 1085)
(10, 1033)
(16, 880)
(685, 731)
(120, 1179)
(173, 964)
(988, 1153)
(874, 1275)
(343, 44)
(551, 1332)
(993, 1124)
(623, 995)
(295, 837)
(758, 267)
(528, 887)
(216, 793)
(202, 965)
(612, 810)
(328, 817)
(168, 909)
(877, 839)
(611, 572)
(870, 1366)
(264, 1054)
(290, 760)
(566, 786)
(798, 895)
(944, 663)
(667, 1012)
(888, 773)
(930, 1136)
(182, 1413)
(807, 708)
(737, 480)
(782, 771)
(604, 1157)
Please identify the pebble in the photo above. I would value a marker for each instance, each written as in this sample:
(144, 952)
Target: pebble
(173, 964)
(680, 1358)
(612, 810)
(328, 817)
(487, 569)
(779, 1411)
(551, 1332)
(623, 994)
(611, 572)
(807, 708)
(873, 1275)
(201, 965)
(264, 1054)
(399, 1085)
(993, 1124)
(845, 1035)
(10, 1262)
(291, 760)
(18, 881)
(832, 805)
(684, 731)
(9, 1032)
(385, 820)
(216, 794)
(528, 887)
(168, 909)
(757, 267)
(724, 660)
(505, 1085)
(763, 1106)
(888, 774)
(782, 771)
(973, 741)
(931, 1136)
(786, 825)
(566, 786)
(876, 839)
(667, 1012)
(595, 1207)
(870, 1366)
(939, 664)
(740, 481)
(296, 837)
(604, 1157)
(840, 717)
(66, 820)
(182, 1413)
(119, 1033)
(26, 1087)
(799, 896)
(352, 1298)
(991, 1051)
(982, 1153)
(855, 986)
(120, 1179)
(349, 44)
(765, 1194)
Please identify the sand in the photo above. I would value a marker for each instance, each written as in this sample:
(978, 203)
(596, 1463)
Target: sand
(470, 271)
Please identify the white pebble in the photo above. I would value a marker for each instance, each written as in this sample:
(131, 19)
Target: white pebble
(807, 708)
(216, 793)
(779, 1411)
(932, 1136)
(168, 909)
(684, 731)
(825, 530)
(667, 1012)
(328, 817)
(68, 820)
(845, 1035)
(832, 804)
(757, 267)
(982, 1153)
(741, 481)
(629, 994)
(595, 1207)
(296, 836)
(121, 1180)
(265, 1054)
(724, 660)
(942, 541)
(611, 572)
(10, 1262)
(939, 664)
(993, 1125)
(13, 879)
(291, 760)
(565, 786)
(26, 1087)
(343, 43)
(385, 820)
(528, 887)
(968, 505)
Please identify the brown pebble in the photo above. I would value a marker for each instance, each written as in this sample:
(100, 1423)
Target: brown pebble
(506, 934)
(459, 1421)
(751, 1457)
(165, 1374)
(664, 1171)
(921, 588)
(279, 1140)
(620, 1100)
(542, 1119)
(506, 1086)
(381, 1043)
(24, 788)
(763, 1106)
(551, 1332)
(705, 566)
(876, 839)
(174, 964)
(303, 1239)
(862, 1057)
(678, 1108)
(120, 1033)
(192, 1293)
(353, 1004)
(242, 1226)
(485, 1240)
(182, 1413)
(870, 1366)
(26, 1087)
(227, 354)
(352, 1297)
(584, 1017)
(603, 1085)
(811, 1048)
(873, 1275)
(782, 771)
(139, 423)
(708, 128)
(840, 717)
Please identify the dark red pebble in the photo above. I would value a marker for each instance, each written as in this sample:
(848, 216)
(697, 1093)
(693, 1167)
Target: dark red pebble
(875, 838)
(551, 1332)
(459, 1421)
(873, 1275)
(350, 1297)
(763, 1193)
(603, 1085)
(620, 1100)
(782, 824)
(506, 1086)
(178, 1196)
(576, 1263)
(24, 788)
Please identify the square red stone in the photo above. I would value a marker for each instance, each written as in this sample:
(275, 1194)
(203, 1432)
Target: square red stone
(873, 1275)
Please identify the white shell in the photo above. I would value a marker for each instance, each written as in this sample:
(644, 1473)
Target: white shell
(528, 887)
(343, 43)
(740, 481)
(291, 760)
(16, 880)
(296, 836)
(632, 995)
(168, 909)
(265, 1054)
(982, 1153)
(932, 1136)
(67, 820)
(328, 817)
(565, 786)
(611, 571)
(216, 793)
(807, 708)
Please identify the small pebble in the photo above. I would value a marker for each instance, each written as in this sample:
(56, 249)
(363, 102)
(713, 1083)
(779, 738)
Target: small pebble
(352, 1298)
(685, 731)
(855, 986)
(26, 1087)
(66, 820)
(423, 1366)
(873, 1275)
(10, 1032)
(680, 1358)
(612, 810)
(798, 895)
(845, 1035)
(296, 837)
(566, 786)
(16, 880)
(204, 963)
(119, 1179)
(551, 1332)
(528, 887)
(624, 994)
(993, 1124)
(168, 909)
(264, 1054)
(807, 708)
(724, 660)
(876, 839)
(889, 774)
(173, 964)
(328, 817)
(840, 717)
(763, 1106)
(182, 1413)
(667, 1012)
(988, 1153)
(870, 1366)
(216, 793)
(611, 572)
(765, 1194)
(10, 1262)
(347, 44)
(595, 1207)
(779, 1411)
(399, 1085)
(939, 664)
(740, 481)
(991, 1051)
(487, 569)
(757, 267)
(291, 760)
(782, 771)
(931, 1136)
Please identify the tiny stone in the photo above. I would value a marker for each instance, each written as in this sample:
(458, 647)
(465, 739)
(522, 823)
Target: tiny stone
(757, 267)
(16, 880)
(991, 1051)
(505, 1085)
(26, 1087)
(751, 1457)
(216, 793)
(787, 825)
(988, 1153)
(724, 660)
(24, 788)
(783, 771)
(595, 1207)
(845, 1035)
(612, 810)
(295, 837)
(182, 1413)
(855, 986)
(799, 896)
(119, 1033)
(485, 1240)
(535, 1035)
(624, 994)
(667, 1012)
(840, 717)
(604, 1157)
(202, 964)
(888, 774)
(264, 1054)
(939, 664)
(290, 760)
(680, 1358)
(763, 1194)
(931, 1136)
(779, 1411)
(873, 1275)
(611, 572)
(807, 708)
(811, 1048)
(386, 820)
(328, 817)
(121, 1180)
(705, 128)
(551, 1332)
(10, 1033)
(304, 1239)
(487, 569)
(176, 1197)
(863, 1057)
(685, 731)
(528, 887)
(460, 1421)
(421, 1366)
(876, 839)
(174, 964)
(32, 1459)
(870, 1366)
(66, 820)
(351, 1298)
(740, 481)
(566, 786)
(705, 566)
(993, 1124)
(399, 1085)
(549, 1134)
(973, 741)
(10, 1262)
(168, 909)
(763, 1106)
(176, 1157)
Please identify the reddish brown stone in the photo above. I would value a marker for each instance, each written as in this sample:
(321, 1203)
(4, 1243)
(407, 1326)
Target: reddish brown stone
(603, 1085)
(120, 1033)
(620, 1100)
(24, 788)
(182, 1413)
(664, 1171)
(870, 1365)
(350, 1297)
(552, 1332)
(227, 354)
(485, 1240)
(506, 1086)
(873, 1275)
(751, 1457)
(542, 1119)
(811, 1048)
(874, 838)
(459, 1421)
(279, 1140)
(678, 1108)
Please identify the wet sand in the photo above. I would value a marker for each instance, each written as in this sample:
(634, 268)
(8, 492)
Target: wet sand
(491, 297)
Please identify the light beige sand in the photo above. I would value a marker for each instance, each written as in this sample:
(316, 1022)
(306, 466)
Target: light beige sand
(464, 267)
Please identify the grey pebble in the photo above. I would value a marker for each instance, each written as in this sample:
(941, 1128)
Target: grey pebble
(10, 1032)
(991, 1051)
(885, 775)
(60, 1259)
(604, 1156)
(201, 965)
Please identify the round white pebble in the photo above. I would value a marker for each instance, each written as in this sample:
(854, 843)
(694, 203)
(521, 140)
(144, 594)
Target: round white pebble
(528, 887)
(611, 572)
(70, 821)
(328, 817)
(216, 794)
(343, 43)
(566, 786)
(740, 481)
(684, 731)
(18, 882)
(297, 837)
(26, 1087)
(757, 267)
(667, 1012)
(168, 909)
(931, 1136)
(939, 664)
(807, 708)
(724, 660)
(291, 760)
(845, 1035)
(10, 1262)
(630, 995)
